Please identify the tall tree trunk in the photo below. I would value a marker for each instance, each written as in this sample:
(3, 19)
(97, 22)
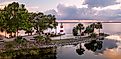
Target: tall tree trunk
(31, 32)
(39, 30)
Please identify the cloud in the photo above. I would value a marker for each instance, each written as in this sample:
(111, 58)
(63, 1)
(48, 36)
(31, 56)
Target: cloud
(51, 12)
(112, 7)
(96, 9)
(67, 12)
(72, 12)
(100, 3)
(77, 3)
(32, 8)
(112, 53)
(110, 14)
(2, 1)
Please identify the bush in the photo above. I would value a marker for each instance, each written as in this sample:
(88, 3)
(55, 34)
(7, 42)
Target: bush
(20, 40)
(43, 39)
(103, 34)
(40, 38)
(93, 35)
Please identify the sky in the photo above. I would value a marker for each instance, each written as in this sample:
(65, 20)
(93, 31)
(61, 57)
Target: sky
(73, 9)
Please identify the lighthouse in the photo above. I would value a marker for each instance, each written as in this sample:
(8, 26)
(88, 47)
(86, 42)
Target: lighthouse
(61, 29)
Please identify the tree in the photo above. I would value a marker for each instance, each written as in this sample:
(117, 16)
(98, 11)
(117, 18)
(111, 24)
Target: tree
(75, 31)
(16, 18)
(1, 21)
(90, 29)
(55, 24)
(80, 27)
(98, 25)
(42, 22)
(20, 40)
(40, 39)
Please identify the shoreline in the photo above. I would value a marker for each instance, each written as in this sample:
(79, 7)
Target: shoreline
(53, 43)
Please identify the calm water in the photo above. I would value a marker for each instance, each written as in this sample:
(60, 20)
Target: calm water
(103, 49)
(108, 49)
(92, 50)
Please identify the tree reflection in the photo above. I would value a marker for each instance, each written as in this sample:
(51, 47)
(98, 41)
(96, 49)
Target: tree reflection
(80, 50)
(94, 45)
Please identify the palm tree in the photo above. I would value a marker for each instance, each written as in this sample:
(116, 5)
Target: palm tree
(75, 31)
(80, 27)
(98, 25)
(90, 29)
(92, 25)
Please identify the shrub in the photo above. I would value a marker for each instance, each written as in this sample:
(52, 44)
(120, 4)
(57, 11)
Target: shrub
(20, 40)
(93, 35)
(40, 38)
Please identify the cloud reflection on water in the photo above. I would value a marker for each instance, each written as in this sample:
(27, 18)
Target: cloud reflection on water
(112, 54)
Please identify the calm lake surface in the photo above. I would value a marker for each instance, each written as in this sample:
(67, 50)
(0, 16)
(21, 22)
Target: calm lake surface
(101, 49)
(108, 49)
(92, 50)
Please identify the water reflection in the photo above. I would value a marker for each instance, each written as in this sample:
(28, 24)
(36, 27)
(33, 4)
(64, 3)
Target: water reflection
(94, 45)
(112, 54)
(80, 50)
(103, 49)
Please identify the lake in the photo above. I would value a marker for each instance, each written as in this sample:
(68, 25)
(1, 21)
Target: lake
(110, 49)
(96, 49)
(92, 50)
